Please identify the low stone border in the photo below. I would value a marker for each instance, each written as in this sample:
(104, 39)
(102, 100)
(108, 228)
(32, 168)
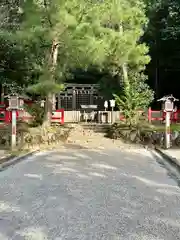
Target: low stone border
(173, 161)
(11, 160)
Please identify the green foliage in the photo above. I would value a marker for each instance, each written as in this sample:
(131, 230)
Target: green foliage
(39, 137)
(37, 112)
(9, 15)
(109, 85)
(136, 95)
(134, 133)
(5, 134)
(87, 33)
(162, 36)
(68, 21)
(84, 33)
(16, 65)
(43, 88)
(164, 14)
(144, 133)
(126, 21)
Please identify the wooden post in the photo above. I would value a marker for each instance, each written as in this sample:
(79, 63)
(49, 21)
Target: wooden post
(149, 114)
(13, 134)
(112, 115)
(167, 131)
(74, 99)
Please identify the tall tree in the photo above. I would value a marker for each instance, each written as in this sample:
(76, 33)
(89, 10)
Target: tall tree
(65, 34)
(126, 21)
(70, 29)
(18, 65)
(162, 36)
(128, 55)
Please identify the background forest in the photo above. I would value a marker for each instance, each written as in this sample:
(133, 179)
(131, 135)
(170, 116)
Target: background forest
(130, 47)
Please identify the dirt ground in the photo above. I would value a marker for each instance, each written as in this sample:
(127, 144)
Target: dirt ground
(91, 139)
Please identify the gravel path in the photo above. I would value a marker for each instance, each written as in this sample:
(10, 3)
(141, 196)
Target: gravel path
(89, 195)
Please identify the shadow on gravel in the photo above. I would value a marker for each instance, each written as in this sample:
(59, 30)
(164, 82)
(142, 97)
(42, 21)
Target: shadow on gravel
(172, 171)
(73, 146)
(82, 190)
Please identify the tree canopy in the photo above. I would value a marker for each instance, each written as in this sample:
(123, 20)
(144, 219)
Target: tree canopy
(45, 43)
(162, 37)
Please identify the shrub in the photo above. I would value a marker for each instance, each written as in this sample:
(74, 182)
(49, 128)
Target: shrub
(136, 95)
(37, 112)
(5, 134)
(132, 133)
(48, 136)
(32, 137)
(144, 133)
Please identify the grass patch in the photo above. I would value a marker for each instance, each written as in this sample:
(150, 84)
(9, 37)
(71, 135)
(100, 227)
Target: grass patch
(173, 127)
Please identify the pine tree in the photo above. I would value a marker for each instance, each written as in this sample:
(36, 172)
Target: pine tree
(71, 28)
(126, 21)
(128, 56)
(80, 33)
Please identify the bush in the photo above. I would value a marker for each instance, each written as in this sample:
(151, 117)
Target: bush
(37, 112)
(144, 133)
(22, 130)
(32, 137)
(135, 95)
(137, 133)
(51, 135)
(5, 134)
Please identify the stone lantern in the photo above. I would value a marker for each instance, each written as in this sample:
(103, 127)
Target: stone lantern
(168, 107)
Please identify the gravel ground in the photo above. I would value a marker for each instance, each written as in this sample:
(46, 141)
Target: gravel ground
(89, 194)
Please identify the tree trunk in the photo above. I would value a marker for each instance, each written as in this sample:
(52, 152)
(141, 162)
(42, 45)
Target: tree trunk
(47, 110)
(124, 66)
(49, 98)
(2, 93)
(125, 73)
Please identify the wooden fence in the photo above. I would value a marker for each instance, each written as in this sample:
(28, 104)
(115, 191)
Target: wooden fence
(155, 115)
(6, 116)
(61, 116)
(159, 116)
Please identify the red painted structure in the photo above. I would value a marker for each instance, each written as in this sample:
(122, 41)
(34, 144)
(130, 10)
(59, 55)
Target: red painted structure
(7, 115)
(175, 116)
(59, 112)
(156, 115)
(58, 116)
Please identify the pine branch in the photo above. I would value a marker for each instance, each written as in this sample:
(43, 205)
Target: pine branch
(47, 12)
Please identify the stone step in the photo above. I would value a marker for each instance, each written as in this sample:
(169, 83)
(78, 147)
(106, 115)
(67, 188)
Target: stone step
(96, 127)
